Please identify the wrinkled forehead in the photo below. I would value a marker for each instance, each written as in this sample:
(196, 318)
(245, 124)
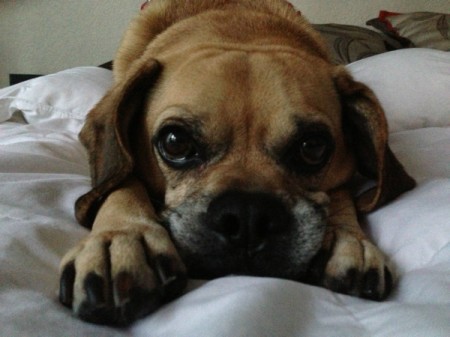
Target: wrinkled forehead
(260, 87)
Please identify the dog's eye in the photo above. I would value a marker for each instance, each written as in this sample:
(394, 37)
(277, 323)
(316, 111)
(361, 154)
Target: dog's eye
(309, 151)
(177, 147)
(313, 150)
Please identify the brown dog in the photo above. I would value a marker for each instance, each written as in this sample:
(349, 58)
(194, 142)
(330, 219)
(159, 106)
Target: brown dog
(228, 144)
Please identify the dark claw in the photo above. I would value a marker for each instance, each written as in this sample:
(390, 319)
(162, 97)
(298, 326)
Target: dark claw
(172, 282)
(66, 285)
(133, 302)
(101, 314)
(316, 270)
(123, 285)
(164, 270)
(140, 303)
(370, 283)
(95, 286)
(388, 282)
(346, 284)
(95, 308)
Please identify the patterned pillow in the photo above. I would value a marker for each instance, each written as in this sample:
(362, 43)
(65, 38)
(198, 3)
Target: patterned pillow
(352, 43)
(418, 29)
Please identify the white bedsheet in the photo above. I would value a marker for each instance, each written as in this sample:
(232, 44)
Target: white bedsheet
(43, 169)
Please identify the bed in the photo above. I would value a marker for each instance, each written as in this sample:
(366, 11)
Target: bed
(44, 169)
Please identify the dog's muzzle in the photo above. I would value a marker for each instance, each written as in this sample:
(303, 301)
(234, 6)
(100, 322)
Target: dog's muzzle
(252, 233)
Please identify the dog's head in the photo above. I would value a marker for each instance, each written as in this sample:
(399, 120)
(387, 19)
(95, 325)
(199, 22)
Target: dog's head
(240, 128)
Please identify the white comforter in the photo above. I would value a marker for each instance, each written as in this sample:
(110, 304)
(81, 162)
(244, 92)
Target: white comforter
(43, 169)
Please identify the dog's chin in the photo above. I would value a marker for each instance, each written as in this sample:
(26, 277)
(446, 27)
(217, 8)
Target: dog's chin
(283, 255)
(266, 263)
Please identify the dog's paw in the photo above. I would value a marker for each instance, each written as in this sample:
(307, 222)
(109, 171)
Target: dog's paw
(350, 265)
(117, 277)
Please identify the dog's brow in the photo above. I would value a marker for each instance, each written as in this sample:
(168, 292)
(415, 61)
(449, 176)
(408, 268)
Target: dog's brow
(179, 116)
(193, 125)
(288, 152)
(302, 126)
(180, 112)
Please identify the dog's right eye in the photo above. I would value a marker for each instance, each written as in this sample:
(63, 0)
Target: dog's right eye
(177, 147)
(309, 150)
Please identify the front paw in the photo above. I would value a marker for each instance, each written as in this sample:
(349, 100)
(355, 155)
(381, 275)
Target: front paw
(119, 276)
(351, 265)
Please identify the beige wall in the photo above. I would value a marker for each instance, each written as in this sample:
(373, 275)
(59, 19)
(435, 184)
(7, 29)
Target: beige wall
(357, 12)
(44, 36)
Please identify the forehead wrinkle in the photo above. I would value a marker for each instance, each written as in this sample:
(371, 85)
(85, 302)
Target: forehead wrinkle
(231, 101)
(208, 81)
(294, 88)
(257, 92)
(272, 98)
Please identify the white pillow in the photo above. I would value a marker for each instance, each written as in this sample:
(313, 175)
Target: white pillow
(413, 86)
(67, 94)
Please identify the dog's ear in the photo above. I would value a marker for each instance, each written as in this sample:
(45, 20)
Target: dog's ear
(365, 126)
(105, 136)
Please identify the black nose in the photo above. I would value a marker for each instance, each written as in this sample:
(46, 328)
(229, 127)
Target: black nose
(247, 220)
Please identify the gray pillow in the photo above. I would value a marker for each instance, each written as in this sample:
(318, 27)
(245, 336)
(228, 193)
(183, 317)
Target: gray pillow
(352, 43)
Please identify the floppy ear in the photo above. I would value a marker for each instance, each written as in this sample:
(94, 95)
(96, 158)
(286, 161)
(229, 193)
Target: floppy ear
(105, 136)
(365, 125)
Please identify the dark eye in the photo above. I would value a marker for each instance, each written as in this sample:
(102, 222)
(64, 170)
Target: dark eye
(177, 147)
(314, 150)
(309, 151)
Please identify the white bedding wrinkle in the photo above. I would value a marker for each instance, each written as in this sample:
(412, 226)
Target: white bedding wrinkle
(412, 84)
(43, 170)
(69, 93)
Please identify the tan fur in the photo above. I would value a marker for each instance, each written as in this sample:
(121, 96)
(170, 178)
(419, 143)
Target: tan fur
(244, 73)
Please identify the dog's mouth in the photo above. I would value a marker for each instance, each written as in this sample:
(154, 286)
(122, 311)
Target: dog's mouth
(246, 233)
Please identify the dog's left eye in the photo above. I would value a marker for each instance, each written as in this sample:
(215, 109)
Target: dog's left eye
(177, 147)
(309, 151)
(313, 150)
